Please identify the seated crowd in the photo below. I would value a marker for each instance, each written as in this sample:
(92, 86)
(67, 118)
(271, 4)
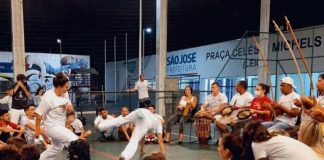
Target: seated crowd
(292, 128)
(249, 127)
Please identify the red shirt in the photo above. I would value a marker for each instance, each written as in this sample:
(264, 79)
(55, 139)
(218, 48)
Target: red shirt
(257, 104)
(12, 125)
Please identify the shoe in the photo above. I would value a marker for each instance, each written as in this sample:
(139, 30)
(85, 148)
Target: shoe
(101, 139)
(164, 141)
(180, 142)
(111, 138)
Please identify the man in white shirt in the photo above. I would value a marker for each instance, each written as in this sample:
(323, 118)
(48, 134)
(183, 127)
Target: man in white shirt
(29, 122)
(125, 131)
(215, 102)
(8, 98)
(320, 89)
(106, 135)
(241, 100)
(286, 110)
(144, 121)
(142, 86)
(54, 105)
(317, 111)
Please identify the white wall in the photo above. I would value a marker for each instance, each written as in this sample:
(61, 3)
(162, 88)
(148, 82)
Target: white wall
(207, 61)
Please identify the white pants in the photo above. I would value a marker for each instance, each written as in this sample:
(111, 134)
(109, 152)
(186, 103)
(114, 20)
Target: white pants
(15, 114)
(141, 128)
(61, 137)
(108, 132)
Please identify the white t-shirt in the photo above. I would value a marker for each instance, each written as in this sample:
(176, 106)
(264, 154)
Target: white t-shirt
(150, 120)
(29, 133)
(288, 101)
(212, 101)
(99, 119)
(77, 125)
(127, 125)
(158, 116)
(53, 107)
(6, 100)
(241, 100)
(142, 88)
(183, 101)
(320, 100)
(283, 148)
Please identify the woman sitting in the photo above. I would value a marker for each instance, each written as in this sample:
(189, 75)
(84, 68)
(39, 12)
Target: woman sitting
(260, 105)
(187, 102)
(275, 147)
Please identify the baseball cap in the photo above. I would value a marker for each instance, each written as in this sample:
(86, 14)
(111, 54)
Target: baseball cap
(289, 81)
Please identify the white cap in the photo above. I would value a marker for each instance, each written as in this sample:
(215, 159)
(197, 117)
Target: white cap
(289, 81)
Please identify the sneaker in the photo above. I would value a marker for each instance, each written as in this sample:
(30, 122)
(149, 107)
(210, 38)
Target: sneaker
(102, 139)
(111, 138)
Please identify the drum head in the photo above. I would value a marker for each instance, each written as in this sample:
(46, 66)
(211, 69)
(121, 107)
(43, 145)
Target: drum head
(226, 111)
(244, 114)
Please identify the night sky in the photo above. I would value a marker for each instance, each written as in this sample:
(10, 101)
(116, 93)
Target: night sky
(83, 25)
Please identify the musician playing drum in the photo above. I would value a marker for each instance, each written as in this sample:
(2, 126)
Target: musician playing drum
(241, 100)
(187, 102)
(215, 102)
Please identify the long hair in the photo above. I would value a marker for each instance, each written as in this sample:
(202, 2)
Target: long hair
(184, 91)
(235, 145)
(265, 87)
(38, 90)
(255, 132)
(310, 133)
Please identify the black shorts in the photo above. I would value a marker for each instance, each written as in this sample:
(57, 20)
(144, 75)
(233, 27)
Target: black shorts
(144, 103)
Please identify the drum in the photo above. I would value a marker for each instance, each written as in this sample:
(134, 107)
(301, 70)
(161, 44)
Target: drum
(203, 120)
(226, 111)
(244, 114)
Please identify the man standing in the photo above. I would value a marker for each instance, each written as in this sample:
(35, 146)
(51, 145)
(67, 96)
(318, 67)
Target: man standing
(142, 86)
(286, 110)
(20, 98)
(54, 105)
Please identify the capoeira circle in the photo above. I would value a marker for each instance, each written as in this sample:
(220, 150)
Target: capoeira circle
(144, 121)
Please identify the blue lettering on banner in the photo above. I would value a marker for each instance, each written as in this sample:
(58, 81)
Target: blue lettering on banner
(227, 53)
(181, 59)
(6, 67)
(182, 63)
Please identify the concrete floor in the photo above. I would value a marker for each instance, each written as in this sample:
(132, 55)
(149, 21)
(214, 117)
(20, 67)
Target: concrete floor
(188, 151)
